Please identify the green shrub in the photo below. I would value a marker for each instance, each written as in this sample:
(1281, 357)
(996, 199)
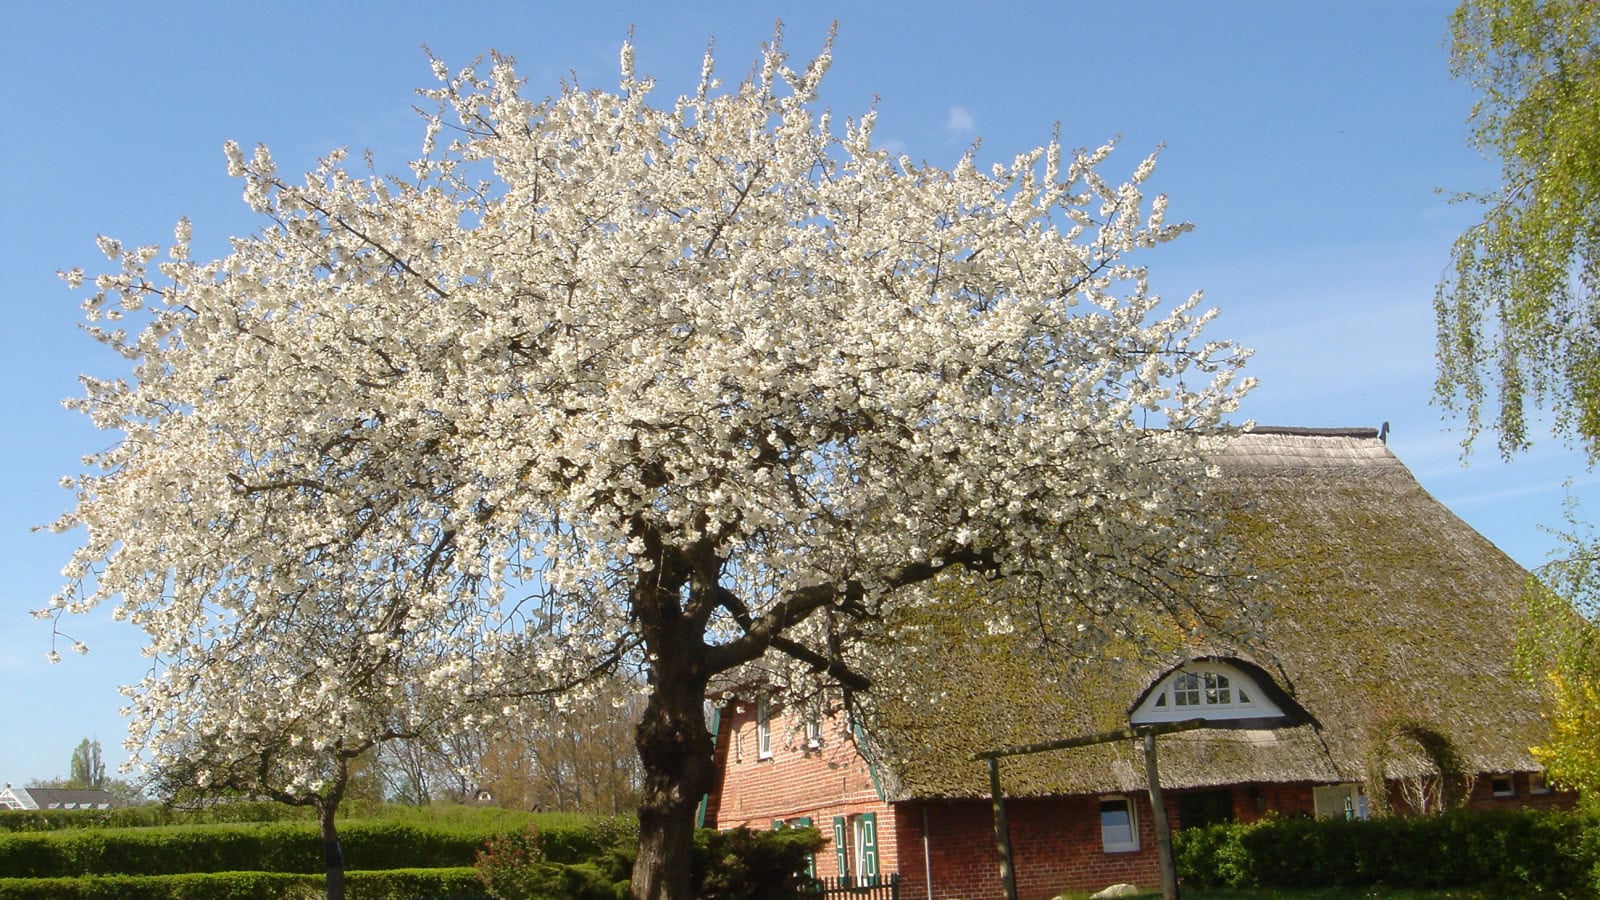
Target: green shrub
(150, 816)
(395, 884)
(754, 865)
(484, 819)
(1520, 852)
(260, 847)
(592, 863)
(727, 865)
(211, 886)
(456, 883)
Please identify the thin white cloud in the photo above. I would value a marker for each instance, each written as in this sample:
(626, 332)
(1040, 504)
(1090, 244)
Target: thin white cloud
(960, 121)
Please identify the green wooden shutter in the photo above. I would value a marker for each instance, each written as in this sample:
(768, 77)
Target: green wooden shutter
(867, 823)
(811, 858)
(841, 850)
(705, 799)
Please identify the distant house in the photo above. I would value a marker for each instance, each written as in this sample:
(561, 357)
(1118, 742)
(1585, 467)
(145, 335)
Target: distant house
(1383, 668)
(54, 798)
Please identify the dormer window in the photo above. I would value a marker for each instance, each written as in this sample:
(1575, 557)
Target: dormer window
(1204, 689)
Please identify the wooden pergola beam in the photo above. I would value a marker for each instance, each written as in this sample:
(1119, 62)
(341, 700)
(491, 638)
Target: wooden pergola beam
(1133, 732)
(1146, 733)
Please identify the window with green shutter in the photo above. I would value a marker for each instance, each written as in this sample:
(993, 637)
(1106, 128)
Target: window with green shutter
(866, 841)
(841, 850)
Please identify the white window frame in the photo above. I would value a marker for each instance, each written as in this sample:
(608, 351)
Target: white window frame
(813, 732)
(1538, 783)
(1338, 801)
(1510, 781)
(763, 729)
(1110, 841)
(1218, 691)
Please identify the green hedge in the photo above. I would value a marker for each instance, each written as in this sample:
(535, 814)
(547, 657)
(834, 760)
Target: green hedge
(395, 884)
(1528, 852)
(726, 865)
(265, 811)
(294, 847)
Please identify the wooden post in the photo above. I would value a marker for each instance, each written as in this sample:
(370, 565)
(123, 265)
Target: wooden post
(1002, 831)
(1158, 812)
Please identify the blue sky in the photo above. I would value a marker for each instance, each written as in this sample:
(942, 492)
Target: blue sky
(1307, 142)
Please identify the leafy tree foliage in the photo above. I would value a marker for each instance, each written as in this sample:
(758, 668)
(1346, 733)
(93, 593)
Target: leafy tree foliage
(1519, 310)
(608, 386)
(1559, 649)
(88, 769)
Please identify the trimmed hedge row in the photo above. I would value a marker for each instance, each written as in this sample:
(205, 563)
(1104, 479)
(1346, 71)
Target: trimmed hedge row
(236, 812)
(292, 847)
(150, 815)
(394, 884)
(726, 865)
(1524, 852)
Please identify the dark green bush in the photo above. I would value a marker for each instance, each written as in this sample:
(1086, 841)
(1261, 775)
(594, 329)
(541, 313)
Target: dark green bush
(238, 812)
(212, 886)
(396, 884)
(457, 883)
(149, 816)
(727, 865)
(1522, 852)
(593, 863)
(753, 865)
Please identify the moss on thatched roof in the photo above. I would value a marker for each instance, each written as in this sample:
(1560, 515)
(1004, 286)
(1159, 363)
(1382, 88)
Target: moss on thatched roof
(1388, 612)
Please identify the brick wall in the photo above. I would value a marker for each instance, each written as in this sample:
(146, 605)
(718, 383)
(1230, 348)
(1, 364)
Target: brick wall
(1482, 794)
(1055, 846)
(1056, 842)
(797, 780)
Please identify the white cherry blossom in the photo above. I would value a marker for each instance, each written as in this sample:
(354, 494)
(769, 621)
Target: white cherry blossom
(684, 387)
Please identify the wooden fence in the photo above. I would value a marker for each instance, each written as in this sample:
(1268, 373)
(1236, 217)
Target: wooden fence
(879, 887)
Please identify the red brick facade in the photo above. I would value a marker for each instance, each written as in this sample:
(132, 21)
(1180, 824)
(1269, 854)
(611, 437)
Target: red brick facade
(819, 780)
(1057, 844)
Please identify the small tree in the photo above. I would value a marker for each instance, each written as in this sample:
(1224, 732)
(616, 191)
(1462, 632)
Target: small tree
(609, 385)
(88, 769)
(1558, 649)
(291, 701)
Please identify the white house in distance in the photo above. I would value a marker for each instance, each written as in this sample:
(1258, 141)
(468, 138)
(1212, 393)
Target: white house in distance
(54, 798)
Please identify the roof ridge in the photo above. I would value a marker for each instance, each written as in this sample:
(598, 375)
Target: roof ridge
(1308, 431)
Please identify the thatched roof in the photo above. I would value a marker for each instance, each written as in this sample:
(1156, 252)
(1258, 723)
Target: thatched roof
(1388, 612)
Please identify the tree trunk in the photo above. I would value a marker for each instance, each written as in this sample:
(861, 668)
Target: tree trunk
(332, 855)
(675, 751)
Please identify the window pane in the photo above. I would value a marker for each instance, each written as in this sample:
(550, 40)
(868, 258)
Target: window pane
(1114, 816)
(1186, 690)
(1217, 689)
(1116, 826)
